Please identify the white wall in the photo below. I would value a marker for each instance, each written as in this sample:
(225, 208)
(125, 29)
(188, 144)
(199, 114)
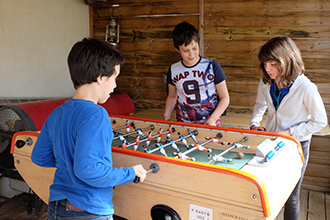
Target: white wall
(35, 39)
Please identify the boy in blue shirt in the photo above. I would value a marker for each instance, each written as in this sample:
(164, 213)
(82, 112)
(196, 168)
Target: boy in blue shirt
(76, 138)
(194, 81)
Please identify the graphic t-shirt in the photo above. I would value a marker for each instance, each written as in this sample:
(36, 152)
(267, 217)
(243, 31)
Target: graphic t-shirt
(196, 89)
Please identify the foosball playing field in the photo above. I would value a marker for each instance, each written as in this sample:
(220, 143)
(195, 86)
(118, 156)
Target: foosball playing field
(130, 137)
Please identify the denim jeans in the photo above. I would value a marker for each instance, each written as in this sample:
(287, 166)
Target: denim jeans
(57, 211)
(292, 205)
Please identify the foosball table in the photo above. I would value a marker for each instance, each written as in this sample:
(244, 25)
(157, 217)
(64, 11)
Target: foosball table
(195, 172)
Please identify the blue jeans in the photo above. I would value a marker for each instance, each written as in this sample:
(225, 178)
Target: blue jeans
(292, 205)
(57, 211)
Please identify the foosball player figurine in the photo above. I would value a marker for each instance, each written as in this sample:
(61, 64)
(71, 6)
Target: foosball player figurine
(183, 156)
(149, 138)
(173, 144)
(160, 134)
(137, 142)
(219, 157)
(170, 130)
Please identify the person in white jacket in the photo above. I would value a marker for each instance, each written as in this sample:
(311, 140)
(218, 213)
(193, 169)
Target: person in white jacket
(294, 104)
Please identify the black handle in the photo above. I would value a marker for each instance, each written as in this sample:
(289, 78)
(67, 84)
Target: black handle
(153, 167)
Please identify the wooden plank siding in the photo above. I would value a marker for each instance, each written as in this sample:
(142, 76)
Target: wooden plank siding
(233, 32)
(317, 175)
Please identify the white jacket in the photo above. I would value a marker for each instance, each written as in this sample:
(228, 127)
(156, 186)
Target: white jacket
(301, 110)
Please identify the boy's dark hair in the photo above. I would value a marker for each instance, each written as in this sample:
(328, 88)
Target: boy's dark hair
(184, 33)
(91, 58)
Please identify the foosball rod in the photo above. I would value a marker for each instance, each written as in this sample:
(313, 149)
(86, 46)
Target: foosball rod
(161, 133)
(159, 147)
(149, 137)
(127, 126)
(191, 134)
(139, 131)
(199, 147)
(172, 142)
(219, 157)
(234, 145)
(195, 147)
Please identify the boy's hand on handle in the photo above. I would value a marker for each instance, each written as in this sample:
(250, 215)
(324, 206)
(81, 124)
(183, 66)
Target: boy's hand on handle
(140, 172)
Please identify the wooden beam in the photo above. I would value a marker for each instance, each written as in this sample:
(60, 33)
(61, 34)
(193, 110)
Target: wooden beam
(91, 21)
(201, 26)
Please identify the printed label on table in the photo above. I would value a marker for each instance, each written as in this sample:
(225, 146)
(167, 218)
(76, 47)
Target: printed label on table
(200, 213)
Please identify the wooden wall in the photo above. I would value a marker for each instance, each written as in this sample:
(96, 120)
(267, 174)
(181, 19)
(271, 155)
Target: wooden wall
(146, 43)
(234, 31)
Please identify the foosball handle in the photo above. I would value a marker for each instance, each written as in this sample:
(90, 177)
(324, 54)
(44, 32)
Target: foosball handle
(21, 143)
(136, 180)
(153, 167)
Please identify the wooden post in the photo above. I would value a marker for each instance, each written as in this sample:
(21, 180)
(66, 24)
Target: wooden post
(201, 26)
(91, 21)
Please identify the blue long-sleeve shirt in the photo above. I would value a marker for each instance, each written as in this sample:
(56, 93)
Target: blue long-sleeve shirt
(76, 139)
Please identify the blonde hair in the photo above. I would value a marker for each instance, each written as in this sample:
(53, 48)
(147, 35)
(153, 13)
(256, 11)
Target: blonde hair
(284, 51)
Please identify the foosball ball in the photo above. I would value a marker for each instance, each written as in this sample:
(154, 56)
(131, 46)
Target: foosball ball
(195, 172)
